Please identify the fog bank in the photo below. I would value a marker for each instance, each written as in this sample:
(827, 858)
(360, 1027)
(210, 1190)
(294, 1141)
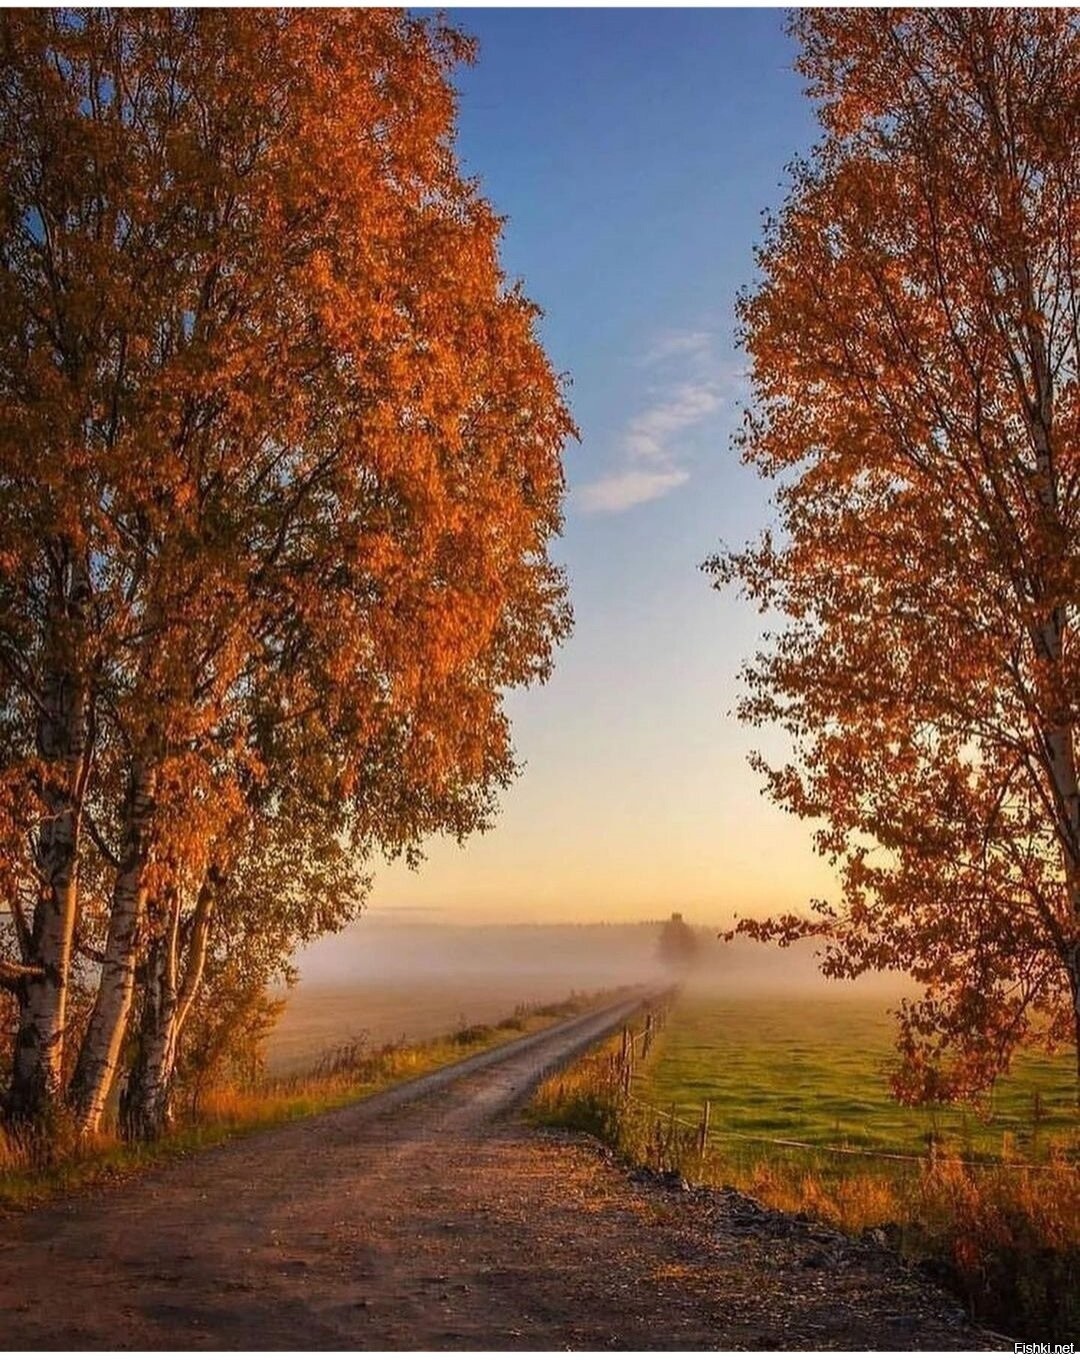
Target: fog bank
(390, 979)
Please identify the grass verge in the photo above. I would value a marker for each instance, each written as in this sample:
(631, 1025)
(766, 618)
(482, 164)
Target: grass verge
(1006, 1240)
(351, 1072)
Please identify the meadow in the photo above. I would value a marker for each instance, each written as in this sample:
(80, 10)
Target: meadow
(394, 982)
(318, 1020)
(994, 1213)
(814, 1070)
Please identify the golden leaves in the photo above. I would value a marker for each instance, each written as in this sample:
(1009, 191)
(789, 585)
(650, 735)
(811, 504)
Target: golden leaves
(916, 363)
(262, 377)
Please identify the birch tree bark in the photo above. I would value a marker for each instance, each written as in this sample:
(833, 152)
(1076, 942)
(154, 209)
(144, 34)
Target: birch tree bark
(63, 745)
(146, 1109)
(101, 1046)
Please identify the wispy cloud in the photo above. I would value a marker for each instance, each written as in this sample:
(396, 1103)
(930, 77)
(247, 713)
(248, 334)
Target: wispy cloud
(648, 463)
(647, 436)
(611, 495)
(677, 345)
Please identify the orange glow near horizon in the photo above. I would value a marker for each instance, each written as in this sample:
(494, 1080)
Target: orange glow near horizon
(629, 806)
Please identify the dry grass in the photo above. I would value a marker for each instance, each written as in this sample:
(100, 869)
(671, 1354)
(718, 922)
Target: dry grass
(586, 1096)
(31, 1172)
(316, 1017)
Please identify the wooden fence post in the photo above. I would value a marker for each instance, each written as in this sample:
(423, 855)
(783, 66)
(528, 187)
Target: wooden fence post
(703, 1131)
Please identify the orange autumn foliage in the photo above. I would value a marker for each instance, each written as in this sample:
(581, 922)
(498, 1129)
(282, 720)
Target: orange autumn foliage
(280, 463)
(915, 341)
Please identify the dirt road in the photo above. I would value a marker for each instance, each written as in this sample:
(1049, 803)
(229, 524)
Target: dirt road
(431, 1218)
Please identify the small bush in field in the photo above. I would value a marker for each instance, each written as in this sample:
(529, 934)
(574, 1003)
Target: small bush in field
(517, 1022)
(574, 1004)
(472, 1034)
(347, 1058)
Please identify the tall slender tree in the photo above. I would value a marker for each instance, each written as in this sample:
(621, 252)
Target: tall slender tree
(281, 455)
(915, 340)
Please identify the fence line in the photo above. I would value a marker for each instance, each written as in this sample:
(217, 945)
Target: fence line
(705, 1134)
(701, 1128)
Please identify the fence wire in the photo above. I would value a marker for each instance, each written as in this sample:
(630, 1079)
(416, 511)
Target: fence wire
(646, 1035)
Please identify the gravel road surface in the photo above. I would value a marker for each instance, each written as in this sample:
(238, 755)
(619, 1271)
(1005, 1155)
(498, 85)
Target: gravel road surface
(431, 1217)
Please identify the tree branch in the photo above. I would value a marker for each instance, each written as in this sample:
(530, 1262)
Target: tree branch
(13, 975)
(99, 840)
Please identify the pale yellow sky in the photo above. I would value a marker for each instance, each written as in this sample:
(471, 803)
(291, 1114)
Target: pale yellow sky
(637, 798)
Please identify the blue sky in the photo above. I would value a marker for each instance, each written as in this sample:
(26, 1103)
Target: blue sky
(633, 152)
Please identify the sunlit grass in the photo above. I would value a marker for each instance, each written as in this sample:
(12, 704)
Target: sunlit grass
(344, 1075)
(1008, 1238)
(815, 1071)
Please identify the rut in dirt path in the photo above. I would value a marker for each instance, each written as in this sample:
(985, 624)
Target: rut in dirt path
(430, 1218)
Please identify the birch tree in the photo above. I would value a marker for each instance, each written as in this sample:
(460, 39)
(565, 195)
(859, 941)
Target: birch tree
(284, 461)
(914, 342)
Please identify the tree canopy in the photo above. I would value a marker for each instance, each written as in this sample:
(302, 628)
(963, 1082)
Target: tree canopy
(914, 341)
(279, 468)
(679, 946)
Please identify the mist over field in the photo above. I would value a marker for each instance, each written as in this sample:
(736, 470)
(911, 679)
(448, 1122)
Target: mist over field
(392, 978)
(388, 949)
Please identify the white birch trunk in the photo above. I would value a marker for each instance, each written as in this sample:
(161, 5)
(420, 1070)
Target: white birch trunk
(147, 1104)
(100, 1052)
(39, 1045)
(63, 742)
(145, 1111)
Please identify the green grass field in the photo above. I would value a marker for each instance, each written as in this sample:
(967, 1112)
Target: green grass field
(814, 1070)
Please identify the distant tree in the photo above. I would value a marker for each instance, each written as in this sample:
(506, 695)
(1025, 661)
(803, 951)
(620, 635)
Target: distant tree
(679, 946)
(279, 468)
(915, 340)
